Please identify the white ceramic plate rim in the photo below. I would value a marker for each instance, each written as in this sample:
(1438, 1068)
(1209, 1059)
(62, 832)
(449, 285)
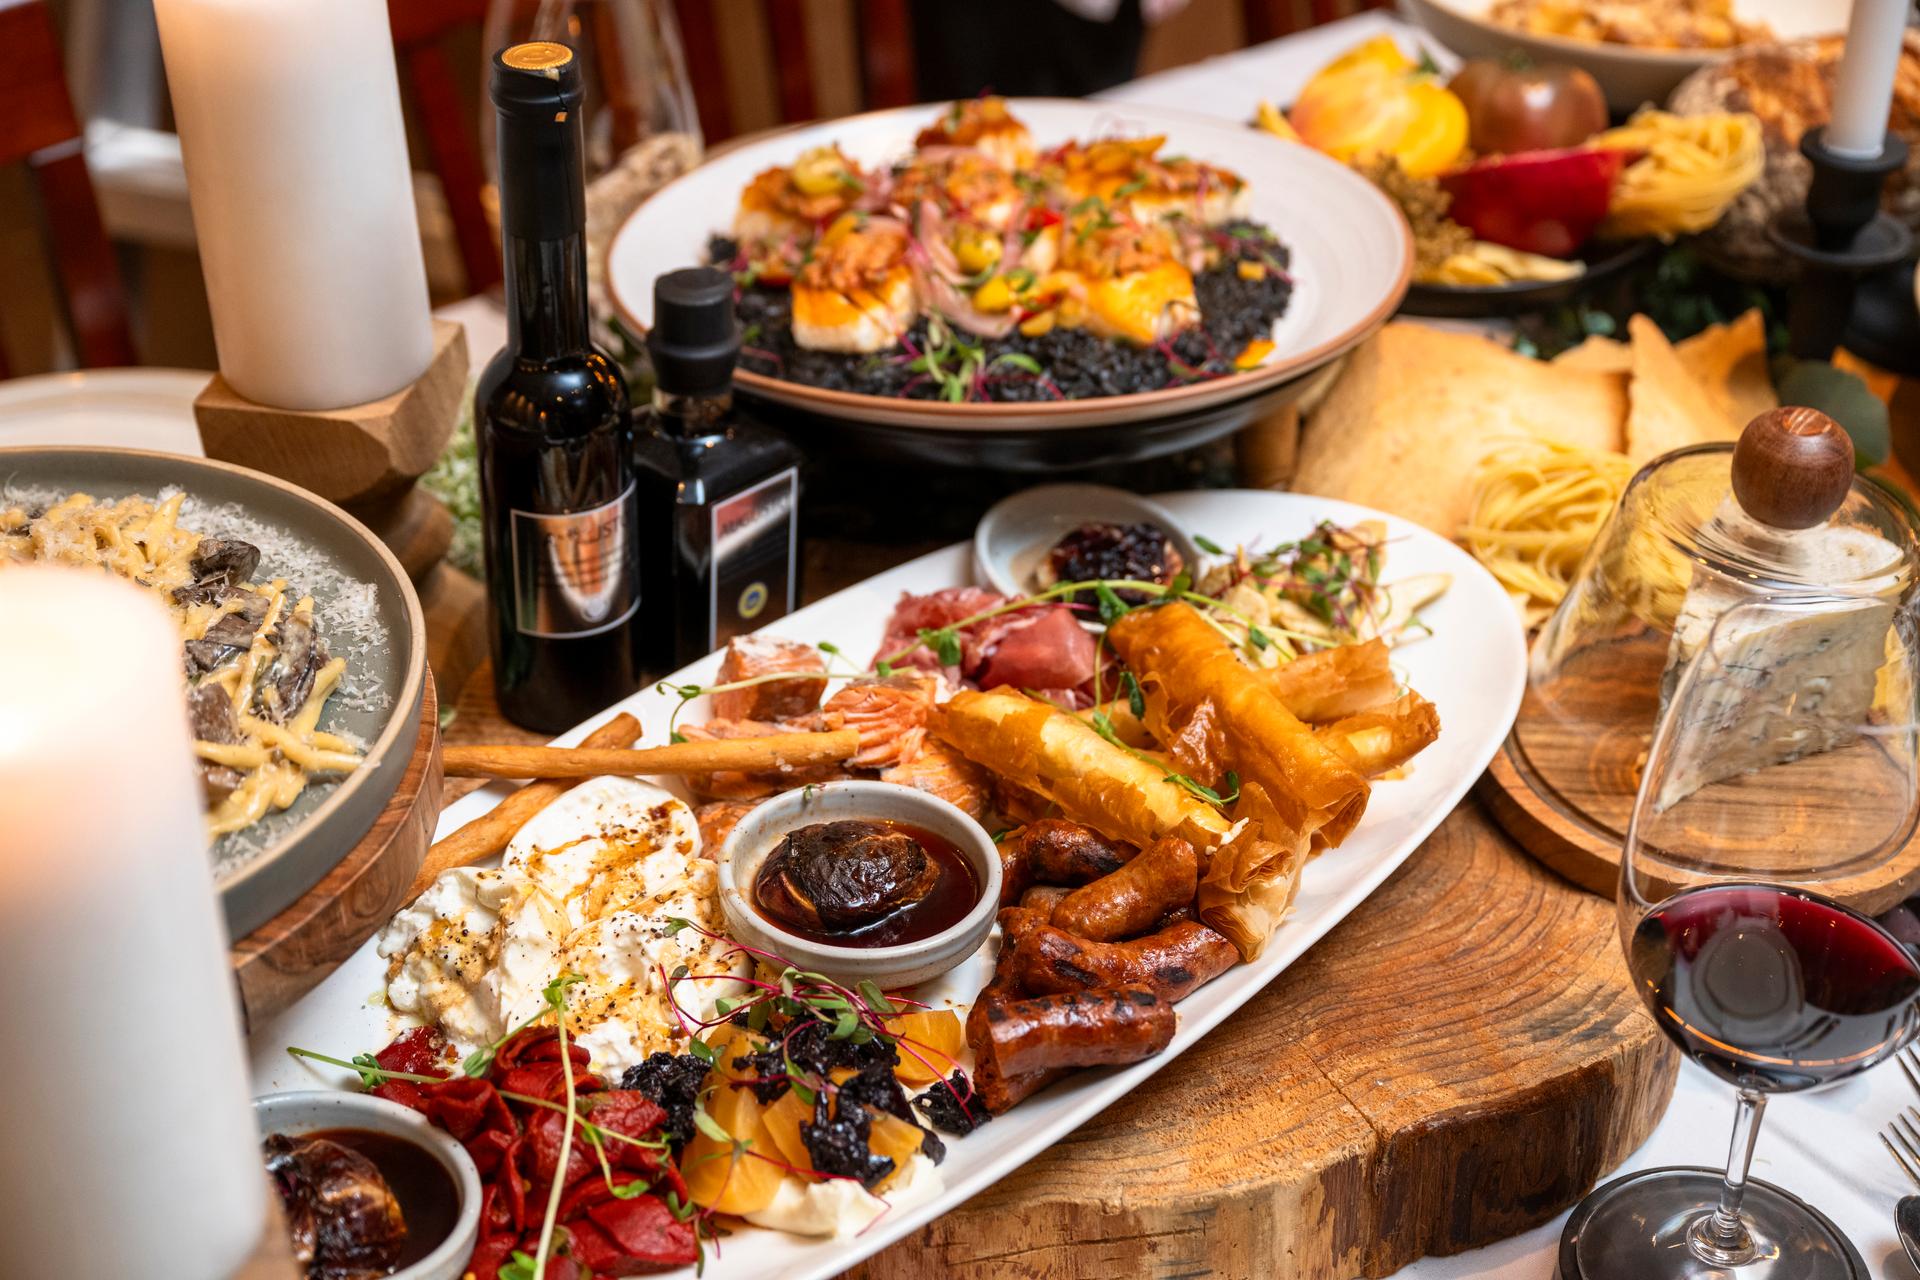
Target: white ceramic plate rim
(1475, 11)
(670, 230)
(150, 393)
(1473, 668)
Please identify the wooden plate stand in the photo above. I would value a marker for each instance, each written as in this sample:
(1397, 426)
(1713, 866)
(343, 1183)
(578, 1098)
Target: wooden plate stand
(284, 958)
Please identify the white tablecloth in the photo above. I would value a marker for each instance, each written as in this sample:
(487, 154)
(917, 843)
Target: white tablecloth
(1823, 1148)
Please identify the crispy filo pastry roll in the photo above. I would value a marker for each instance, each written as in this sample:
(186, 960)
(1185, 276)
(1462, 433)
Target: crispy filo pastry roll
(1250, 884)
(1385, 737)
(1318, 688)
(1063, 759)
(1210, 710)
(1127, 727)
(1333, 683)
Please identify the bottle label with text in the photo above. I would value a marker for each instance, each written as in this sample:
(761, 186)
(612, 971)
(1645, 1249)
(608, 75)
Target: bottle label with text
(755, 534)
(575, 574)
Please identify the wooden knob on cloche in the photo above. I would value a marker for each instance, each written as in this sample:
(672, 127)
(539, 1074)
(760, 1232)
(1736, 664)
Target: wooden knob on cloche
(1792, 468)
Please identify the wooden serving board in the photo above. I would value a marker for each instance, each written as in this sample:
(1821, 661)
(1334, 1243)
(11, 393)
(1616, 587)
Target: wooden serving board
(284, 958)
(1458, 1061)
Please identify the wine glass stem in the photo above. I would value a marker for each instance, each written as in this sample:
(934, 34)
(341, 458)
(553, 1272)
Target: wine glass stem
(1721, 1238)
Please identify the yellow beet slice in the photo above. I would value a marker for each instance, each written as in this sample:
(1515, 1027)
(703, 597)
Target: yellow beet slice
(935, 1035)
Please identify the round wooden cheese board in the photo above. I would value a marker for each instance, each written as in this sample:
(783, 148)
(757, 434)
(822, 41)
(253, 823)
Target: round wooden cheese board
(1566, 796)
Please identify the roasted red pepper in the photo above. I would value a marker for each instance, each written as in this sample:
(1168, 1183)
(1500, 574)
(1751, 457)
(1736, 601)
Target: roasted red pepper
(1538, 201)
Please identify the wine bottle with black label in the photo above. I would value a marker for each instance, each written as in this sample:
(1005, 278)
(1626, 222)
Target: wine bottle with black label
(551, 422)
(719, 490)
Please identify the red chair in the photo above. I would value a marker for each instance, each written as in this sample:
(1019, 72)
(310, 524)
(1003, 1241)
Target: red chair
(886, 53)
(38, 125)
(1266, 20)
(449, 122)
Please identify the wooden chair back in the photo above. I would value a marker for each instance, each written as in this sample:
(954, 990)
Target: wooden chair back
(886, 55)
(1266, 20)
(448, 122)
(38, 125)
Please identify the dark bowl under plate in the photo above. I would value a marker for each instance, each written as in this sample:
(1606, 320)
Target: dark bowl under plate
(1605, 263)
(1032, 449)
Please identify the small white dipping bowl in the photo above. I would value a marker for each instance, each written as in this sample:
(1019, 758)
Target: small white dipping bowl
(1013, 538)
(903, 965)
(306, 1111)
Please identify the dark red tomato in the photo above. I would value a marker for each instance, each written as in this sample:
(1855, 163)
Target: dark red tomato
(1516, 105)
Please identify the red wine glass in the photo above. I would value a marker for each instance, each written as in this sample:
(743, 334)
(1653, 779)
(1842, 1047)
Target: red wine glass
(1777, 807)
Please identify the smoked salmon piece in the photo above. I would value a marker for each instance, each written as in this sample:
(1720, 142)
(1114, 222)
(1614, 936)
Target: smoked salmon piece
(941, 771)
(757, 655)
(717, 821)
(890, 716)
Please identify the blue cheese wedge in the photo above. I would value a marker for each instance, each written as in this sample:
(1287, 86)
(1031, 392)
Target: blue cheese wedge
(1788, 683)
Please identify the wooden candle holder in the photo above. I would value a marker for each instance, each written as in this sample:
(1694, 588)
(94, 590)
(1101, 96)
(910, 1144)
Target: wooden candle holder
(365, 457)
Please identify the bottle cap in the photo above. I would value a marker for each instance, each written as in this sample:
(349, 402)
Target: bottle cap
(694, 340)
(537, 91)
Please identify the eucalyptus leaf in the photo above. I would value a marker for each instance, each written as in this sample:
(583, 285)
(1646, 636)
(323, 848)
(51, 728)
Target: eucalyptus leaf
(1842, 396)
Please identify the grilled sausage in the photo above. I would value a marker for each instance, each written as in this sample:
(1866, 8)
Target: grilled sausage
(1016, 868)
(1182, 914)
(997, 1090)
(1078, 1029)
(1131, 900)
(1172, 963)
(1045, 897)
(1062, 852)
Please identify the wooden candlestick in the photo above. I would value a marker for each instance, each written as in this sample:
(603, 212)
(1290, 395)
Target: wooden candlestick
(365, 457)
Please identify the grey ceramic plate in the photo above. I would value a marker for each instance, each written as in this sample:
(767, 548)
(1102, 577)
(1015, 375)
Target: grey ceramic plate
(365, 608)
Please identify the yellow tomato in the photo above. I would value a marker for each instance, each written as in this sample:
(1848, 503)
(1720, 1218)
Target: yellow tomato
(1382, 53)
(1370, 110)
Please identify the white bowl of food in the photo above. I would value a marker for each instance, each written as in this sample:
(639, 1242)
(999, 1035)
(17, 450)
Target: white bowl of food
(429, 1175)
(1638, 50)
(861, 881)
(1121, 535)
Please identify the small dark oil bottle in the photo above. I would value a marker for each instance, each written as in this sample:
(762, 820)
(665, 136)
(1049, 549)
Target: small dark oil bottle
(552, 425)
(719, 492)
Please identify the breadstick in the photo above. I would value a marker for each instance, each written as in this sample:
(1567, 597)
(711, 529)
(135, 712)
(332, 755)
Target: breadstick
(748, 755)
(488, 834)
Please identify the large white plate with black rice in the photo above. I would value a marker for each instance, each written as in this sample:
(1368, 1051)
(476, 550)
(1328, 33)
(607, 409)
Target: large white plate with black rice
(1349, 258)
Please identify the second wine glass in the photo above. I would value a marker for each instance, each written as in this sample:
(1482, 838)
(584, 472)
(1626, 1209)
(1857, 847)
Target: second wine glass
(1778, 799)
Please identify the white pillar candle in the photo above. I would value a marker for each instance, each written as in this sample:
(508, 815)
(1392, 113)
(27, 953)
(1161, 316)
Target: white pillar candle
(128, 1146)
(296, 155)
(1863, 87)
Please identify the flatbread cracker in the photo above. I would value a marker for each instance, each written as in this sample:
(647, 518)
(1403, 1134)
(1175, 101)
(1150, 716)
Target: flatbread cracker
(1668, 408)
(1729, 361)
(1598, 354)
(1417, 409)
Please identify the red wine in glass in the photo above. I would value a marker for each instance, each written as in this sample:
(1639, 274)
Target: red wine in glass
(1774, 989)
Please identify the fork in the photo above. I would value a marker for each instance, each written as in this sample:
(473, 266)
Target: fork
(1904, 1146)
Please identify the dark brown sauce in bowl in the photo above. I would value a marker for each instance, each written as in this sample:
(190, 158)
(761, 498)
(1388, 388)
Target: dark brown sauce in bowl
(865, 882)
(428, 1196)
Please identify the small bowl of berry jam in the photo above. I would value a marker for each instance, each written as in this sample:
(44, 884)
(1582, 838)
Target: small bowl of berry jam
(861, 880)
(1076, 533)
